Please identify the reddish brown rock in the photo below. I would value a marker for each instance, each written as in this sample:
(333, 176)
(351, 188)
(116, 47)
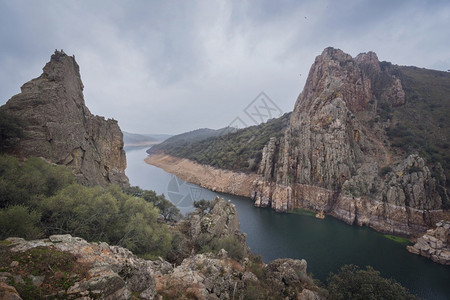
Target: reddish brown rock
(333, 152)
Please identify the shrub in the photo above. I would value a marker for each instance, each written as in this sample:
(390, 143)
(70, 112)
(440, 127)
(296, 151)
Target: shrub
(11, 129)
(22, 182)
(414, 169)
(232, 245)
(385, 170)
(167, 209)
(19, 221)
(203, 205)
(351, 282)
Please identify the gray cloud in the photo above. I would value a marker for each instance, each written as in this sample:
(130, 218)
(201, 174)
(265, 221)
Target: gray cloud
(173, 66)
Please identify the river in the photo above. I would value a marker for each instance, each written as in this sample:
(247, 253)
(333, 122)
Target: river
(325, 244)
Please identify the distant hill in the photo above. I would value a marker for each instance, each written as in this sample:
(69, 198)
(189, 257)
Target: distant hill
(187, 138)
(235, 150)
(134, 139)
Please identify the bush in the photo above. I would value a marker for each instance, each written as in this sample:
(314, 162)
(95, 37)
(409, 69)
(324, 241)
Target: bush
(11, 129)
(19, 221)
(38, 199)
(22, 182)
(203, 205)
(351, 282)
(167, 209)
(385, 170)
(233, 246)
(109, 215)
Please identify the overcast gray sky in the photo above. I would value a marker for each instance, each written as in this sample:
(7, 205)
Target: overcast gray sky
(175, 66)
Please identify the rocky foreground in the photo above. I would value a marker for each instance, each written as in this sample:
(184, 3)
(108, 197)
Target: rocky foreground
(67, 267)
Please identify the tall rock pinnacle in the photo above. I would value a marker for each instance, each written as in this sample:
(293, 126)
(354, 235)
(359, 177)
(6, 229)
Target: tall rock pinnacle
(334, 156)
(60, 128)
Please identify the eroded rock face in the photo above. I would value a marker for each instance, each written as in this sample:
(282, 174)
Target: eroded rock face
(113, 272)
(60, 128)
(220, 222)
(435, 244)
(333, 152)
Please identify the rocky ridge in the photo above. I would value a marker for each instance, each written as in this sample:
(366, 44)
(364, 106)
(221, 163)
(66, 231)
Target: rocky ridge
(112, 272)
(334, 155)
(59, 127)
(435, 244)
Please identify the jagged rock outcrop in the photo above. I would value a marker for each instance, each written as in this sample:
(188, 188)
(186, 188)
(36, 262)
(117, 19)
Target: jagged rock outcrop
(435, 244)
(221, 222)
(334, 155)
(60, 128)
(112, 272)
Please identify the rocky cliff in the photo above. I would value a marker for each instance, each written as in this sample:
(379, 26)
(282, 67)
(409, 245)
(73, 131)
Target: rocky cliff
(335, 155)
(59, 127)
(435, 244)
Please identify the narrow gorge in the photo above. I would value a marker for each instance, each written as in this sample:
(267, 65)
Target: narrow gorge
(346, 150)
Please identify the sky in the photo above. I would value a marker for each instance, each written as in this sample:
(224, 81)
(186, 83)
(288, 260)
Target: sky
(175, 66)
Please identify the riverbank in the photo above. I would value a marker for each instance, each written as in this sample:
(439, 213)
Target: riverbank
(223, 181)
(326, 244)
(383, 217)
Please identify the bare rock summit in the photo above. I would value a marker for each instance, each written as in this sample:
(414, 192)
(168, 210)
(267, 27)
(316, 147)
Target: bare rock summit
(59, 127)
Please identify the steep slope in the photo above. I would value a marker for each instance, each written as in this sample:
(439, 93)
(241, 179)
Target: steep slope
(59, 127)
(234, 150)
(335, 155)
(180, 141)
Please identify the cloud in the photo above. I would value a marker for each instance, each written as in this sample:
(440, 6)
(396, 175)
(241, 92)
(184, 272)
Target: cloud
(174, 66)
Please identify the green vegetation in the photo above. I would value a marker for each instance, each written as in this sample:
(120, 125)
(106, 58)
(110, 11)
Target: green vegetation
(11, 129)
(59, 270)
(421, 124)
(203, 205)
(397, 239)
(166, 208)
(304, 212)
(351, 282)
(39, 199)
(240, 150)
(385, 170)
(187, 138)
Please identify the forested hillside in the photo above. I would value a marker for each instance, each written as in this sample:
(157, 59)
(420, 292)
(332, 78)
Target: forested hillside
(239, 151)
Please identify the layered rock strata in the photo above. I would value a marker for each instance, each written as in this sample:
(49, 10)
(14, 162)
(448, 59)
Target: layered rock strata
(60, 128)
(435, 244)
(334, 155)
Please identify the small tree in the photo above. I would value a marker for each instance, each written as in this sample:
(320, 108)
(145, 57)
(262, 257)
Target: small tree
(203, 205)
(351, 282)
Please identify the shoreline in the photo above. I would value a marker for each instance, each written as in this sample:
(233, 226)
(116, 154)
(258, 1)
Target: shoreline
(216, 180)
(347, 210)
